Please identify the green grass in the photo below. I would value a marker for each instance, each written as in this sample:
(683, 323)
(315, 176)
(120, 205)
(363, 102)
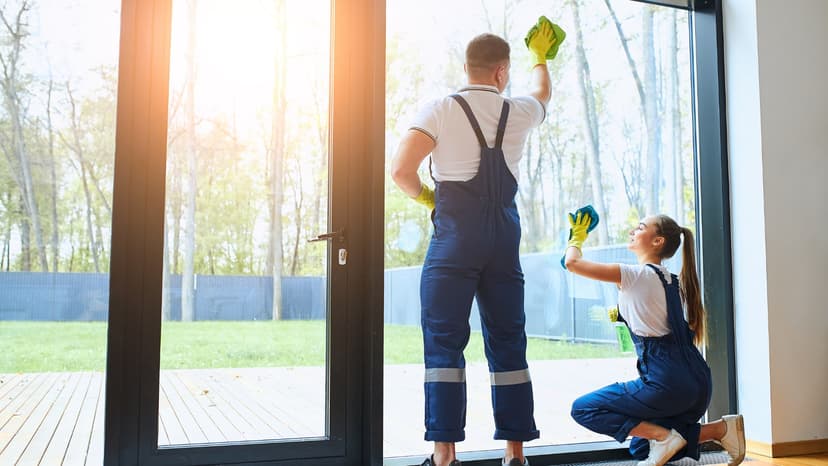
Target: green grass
(81, 346)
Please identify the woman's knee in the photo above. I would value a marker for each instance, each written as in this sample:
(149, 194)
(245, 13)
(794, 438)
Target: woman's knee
(581, 408)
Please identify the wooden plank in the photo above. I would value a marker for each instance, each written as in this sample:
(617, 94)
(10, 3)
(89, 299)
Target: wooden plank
(31, 416)
(95, 453)
(202, 396)
(258, 386)
(304, 414)
(16, 413)
(173, 433)
(25, 386)
(272, 415)
(7, 382)
(49, 424)
(181, 427)
(163, 437)
(79, 440)
(55, 451)
(191, 412)
(224, 383)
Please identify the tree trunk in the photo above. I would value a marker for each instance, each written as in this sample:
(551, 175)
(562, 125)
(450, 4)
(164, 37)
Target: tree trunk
(591, 134)
(188, 251)
(277, 157)
(76, 146)
(165, 278)
(298, 208)
(5, 259)
(676, 187)
(25, 242)
(11, 87)
(653, 169)
(53, 178)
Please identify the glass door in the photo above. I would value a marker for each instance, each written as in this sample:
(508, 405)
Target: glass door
(250, 261)
(244, 355)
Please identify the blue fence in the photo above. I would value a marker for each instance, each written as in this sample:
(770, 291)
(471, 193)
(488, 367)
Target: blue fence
(558, 304)
(85, 297)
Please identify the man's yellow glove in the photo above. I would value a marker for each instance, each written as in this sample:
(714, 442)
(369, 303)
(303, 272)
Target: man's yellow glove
(543, 40)
(579, 224)
(426, 197)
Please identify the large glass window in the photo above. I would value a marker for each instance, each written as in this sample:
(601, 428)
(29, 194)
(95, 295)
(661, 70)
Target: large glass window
(58, 82)
(244, 333)
(618, 135)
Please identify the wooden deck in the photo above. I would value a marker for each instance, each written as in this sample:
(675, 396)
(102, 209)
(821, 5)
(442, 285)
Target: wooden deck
(57, 418)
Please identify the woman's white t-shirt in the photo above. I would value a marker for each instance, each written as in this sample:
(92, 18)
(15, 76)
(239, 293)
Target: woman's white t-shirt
(641, 300)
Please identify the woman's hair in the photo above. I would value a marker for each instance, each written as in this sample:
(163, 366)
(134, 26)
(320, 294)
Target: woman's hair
(485, 52)
(668, 229)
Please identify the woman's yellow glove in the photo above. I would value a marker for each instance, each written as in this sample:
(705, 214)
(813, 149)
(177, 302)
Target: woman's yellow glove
(579, 224)
(426, 197)
(612, 313)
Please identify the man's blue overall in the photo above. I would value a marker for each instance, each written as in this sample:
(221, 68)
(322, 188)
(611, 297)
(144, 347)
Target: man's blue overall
(673, 390)
(474, 252)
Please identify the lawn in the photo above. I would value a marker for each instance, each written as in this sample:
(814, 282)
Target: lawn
(81, 346)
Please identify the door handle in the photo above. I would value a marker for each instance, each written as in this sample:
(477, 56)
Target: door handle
(338, 236)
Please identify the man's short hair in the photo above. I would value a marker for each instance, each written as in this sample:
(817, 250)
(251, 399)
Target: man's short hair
(485, 52)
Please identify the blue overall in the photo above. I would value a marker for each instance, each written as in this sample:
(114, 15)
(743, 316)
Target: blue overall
(474, 252)
(673, 390)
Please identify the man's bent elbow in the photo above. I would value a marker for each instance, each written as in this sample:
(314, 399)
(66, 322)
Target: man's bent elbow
(397, 174)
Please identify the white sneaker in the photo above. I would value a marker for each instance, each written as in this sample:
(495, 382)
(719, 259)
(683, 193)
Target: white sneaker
(734, 438)
(662, 450)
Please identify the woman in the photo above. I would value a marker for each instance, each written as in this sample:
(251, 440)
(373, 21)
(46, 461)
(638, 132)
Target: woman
(661, 408)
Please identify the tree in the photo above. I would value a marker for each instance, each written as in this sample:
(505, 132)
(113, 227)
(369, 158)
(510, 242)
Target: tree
(191, 174)
(52, 162)
(591, 124)
(276, 156)
(648, 93)
(14, 142)
(674, 173)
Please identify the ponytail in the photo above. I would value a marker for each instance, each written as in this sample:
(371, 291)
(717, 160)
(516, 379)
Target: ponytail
(689, 284)
(688, 278)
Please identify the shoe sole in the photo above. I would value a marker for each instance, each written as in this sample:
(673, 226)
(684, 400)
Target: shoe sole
(740, 429)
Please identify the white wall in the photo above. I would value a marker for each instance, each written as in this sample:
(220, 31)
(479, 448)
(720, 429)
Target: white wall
(776, 55)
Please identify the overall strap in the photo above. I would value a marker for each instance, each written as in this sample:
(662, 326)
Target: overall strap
(675, 311)
(475, 125)
(501, 125)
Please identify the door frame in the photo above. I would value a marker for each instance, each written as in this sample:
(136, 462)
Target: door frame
(355, 317)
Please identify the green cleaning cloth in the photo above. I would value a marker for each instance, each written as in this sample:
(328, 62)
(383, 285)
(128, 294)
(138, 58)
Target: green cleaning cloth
(559, 34)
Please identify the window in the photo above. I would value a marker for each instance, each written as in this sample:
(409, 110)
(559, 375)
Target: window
(618, 135)
(57, 135)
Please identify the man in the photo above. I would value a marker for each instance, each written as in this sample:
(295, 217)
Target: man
(476, 139)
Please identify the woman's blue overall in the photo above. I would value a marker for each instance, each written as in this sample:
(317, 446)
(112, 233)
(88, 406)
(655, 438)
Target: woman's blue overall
(673, 390)
(474, 252)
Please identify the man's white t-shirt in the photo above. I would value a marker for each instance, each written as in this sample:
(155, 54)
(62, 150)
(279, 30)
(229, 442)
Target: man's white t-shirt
(641, 300)
(456, 156)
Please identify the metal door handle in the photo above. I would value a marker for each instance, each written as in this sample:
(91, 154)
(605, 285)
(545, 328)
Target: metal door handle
(338, 235)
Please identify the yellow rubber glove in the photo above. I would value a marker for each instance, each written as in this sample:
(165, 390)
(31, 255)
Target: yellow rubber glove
(543, 40)
(426, 197)
(578, 229)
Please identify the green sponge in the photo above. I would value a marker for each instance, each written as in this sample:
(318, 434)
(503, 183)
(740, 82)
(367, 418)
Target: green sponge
(559, 34)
